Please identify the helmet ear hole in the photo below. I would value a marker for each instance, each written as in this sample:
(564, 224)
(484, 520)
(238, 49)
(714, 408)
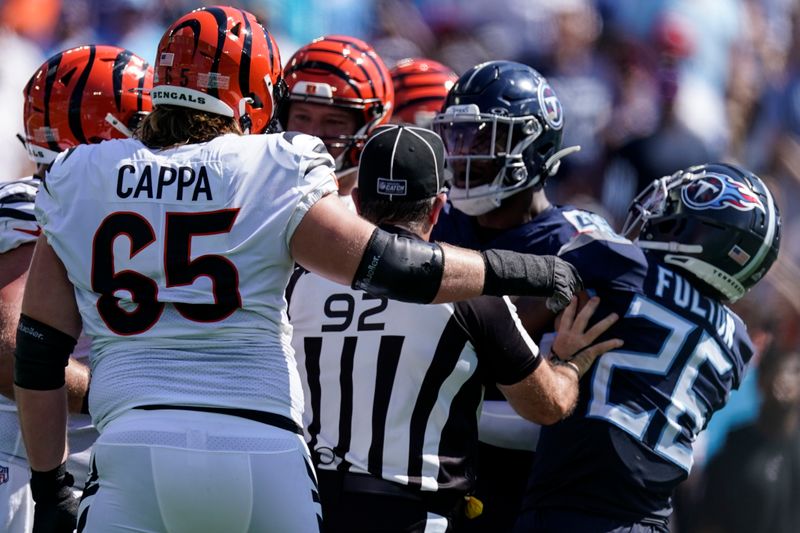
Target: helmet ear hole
(376, 110)
(135, 120)
(255, 102)
(544, 149)
(670, 226)
(713, 225)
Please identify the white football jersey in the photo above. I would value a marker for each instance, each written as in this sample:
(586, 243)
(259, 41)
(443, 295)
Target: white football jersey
(179, 258)
(18, 226)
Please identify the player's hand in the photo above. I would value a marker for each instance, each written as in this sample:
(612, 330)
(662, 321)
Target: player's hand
(573, 343)
(512, 273)
(566, 284)
(56, 509)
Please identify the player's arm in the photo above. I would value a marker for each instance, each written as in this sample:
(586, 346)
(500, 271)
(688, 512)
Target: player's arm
(337, 244)
(13, 274)
(48, 328)
(49, 325)
(550, 392)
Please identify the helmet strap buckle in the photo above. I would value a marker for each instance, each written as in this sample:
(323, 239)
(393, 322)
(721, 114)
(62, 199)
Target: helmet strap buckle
(245, 122)
(118, 125)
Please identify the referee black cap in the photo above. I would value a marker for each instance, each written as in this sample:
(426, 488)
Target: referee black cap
(401, 163)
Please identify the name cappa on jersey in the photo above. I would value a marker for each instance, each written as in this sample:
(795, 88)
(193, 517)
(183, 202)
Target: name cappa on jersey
(163, 182)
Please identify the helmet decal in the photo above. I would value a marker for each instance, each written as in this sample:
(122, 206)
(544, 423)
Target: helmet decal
(551, 106)
(717, 191)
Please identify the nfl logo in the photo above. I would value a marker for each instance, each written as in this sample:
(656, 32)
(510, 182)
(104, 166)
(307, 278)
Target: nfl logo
(3, 474)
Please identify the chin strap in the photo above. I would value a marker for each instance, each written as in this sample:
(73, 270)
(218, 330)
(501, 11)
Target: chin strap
(671, 246)
(119, 126)
(554, 161)
(727, 285)
(245, 123)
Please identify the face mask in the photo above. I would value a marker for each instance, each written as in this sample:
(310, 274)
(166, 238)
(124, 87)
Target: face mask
(480, 201)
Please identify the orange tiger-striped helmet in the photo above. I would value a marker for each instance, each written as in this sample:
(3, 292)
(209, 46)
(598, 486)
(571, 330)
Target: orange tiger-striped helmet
(420, 88)
(84, 95)
(220, 59)
(346, 72)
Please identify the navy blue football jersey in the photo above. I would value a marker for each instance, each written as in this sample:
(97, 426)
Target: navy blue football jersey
(603, 258)
(629, 441)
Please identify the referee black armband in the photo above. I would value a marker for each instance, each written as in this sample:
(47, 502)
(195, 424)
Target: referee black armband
(400, 268)
(41, 355)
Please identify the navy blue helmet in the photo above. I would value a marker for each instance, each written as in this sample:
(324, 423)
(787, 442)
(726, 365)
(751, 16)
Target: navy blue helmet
(501, 124)
(716, 221)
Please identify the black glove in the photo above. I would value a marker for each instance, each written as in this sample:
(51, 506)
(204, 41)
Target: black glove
(56, 509)
(516, 274)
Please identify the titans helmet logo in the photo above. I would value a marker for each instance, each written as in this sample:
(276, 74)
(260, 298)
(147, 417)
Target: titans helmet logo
(717, 191)
(550, 106)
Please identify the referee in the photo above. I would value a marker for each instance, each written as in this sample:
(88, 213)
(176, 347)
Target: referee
(393, 389)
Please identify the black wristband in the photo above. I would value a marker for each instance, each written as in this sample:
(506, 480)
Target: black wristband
(52, 485)
(516, 274)
(41, 354)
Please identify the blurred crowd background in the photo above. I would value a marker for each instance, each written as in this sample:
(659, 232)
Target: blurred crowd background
(647, 87)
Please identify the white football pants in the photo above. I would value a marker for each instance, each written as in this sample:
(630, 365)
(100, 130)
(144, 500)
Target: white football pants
(175, 471)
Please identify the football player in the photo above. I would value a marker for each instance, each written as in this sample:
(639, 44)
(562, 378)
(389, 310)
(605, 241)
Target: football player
(420, 88)
(172, 251)
(339, 90)
(502, 125)
(81, 95)
(710, 232)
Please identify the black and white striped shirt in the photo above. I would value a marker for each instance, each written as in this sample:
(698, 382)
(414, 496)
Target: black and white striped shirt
(18, 224)
(394, 389)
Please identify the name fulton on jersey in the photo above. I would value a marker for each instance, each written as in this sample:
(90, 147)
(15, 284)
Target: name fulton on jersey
(153, 181)
(671, 285)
